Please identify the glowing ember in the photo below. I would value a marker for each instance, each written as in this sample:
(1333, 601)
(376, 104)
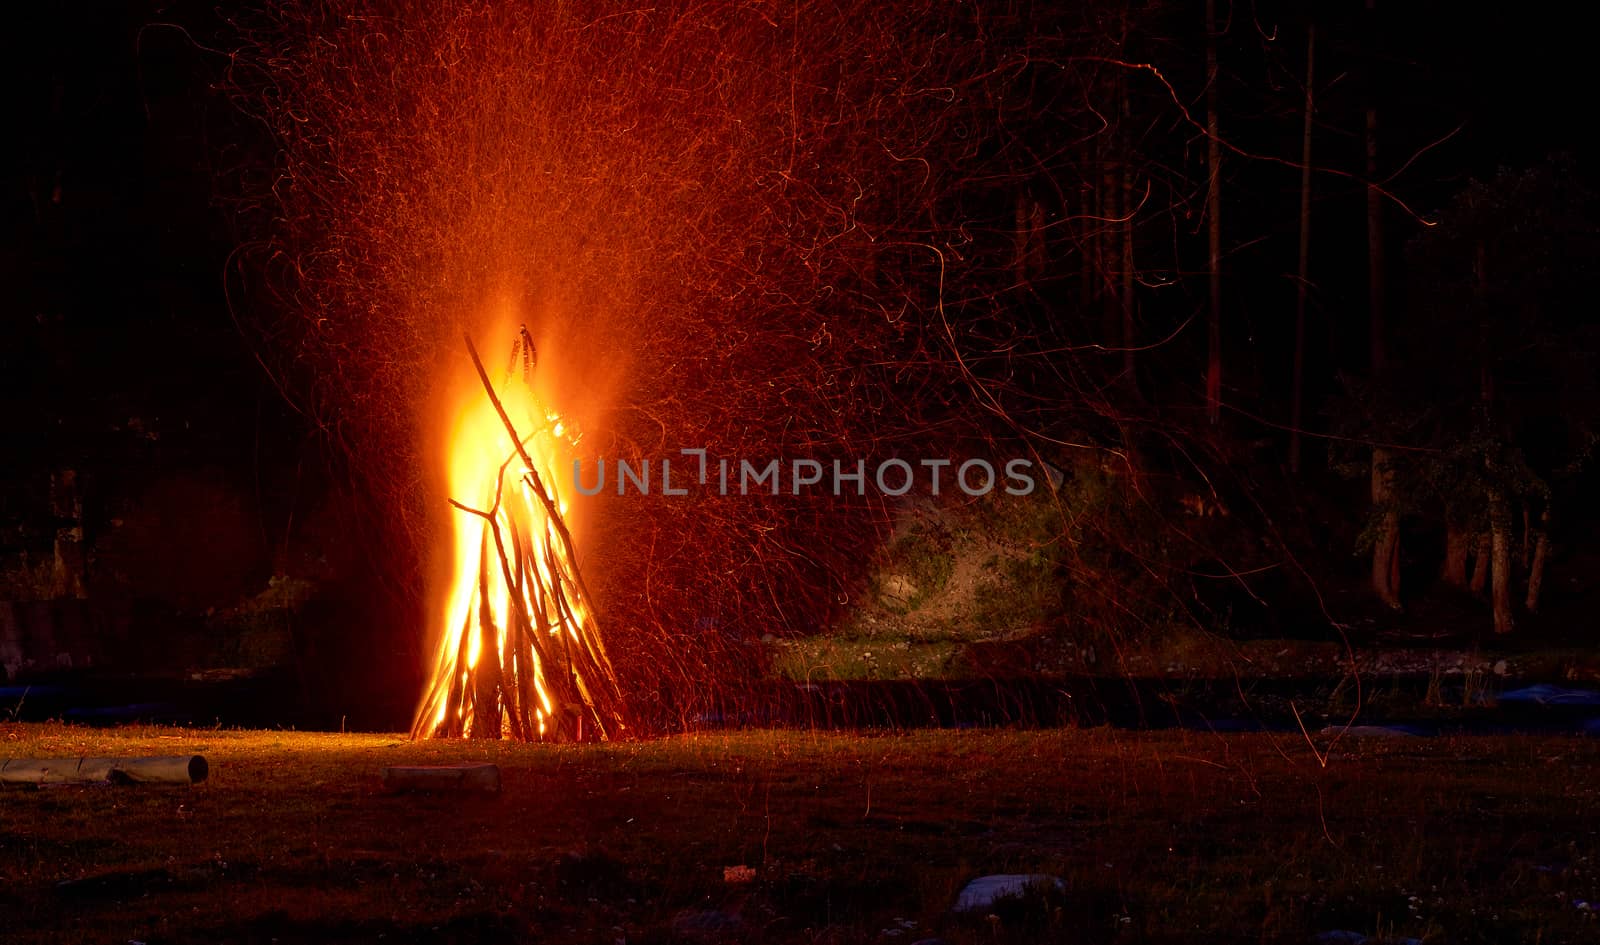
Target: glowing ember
(519, 654)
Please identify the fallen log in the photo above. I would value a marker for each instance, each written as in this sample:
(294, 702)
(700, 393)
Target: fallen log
(470, 778)
(160, 769)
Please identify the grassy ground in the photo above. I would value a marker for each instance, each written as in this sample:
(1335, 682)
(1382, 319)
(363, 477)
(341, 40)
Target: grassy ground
(1163, 837)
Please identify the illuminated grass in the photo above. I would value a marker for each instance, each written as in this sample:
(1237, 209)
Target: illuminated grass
(1166, 836)
(857, 658)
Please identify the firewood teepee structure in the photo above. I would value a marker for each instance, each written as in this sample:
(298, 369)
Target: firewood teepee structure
(522, 655)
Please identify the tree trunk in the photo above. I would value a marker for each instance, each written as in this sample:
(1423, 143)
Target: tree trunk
(1480, 565)
(68, 576)
(1129, 331)
(1386, 550)
(1526, 547)
(1108, 248)
(1303, 270)
(1213, 224)
(1500, 565)
(1499, 505)
(1088, 263)
(1457, 549)
(1028, 256)
(1541, 551)
(1375, 273)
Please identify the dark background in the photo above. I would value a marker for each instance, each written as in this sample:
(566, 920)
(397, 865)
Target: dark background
(212, 509)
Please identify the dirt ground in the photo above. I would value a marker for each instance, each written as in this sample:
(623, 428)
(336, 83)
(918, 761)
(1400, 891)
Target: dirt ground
(1158, 837)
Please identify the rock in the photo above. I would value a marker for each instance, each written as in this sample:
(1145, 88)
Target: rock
(898, 589)
(983, 892)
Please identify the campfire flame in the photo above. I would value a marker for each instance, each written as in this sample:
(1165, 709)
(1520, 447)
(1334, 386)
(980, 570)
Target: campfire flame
(519, 653)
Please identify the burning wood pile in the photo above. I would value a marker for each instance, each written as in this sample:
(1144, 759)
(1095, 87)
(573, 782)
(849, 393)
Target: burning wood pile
(520, 655)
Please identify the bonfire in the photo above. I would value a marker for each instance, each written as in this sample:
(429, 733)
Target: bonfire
(520, 654)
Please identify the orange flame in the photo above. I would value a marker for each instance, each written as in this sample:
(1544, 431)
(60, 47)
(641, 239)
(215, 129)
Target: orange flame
(519, 651)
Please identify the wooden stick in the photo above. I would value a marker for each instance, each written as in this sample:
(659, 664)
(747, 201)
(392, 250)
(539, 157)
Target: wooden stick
(564, 693)
(486, 675)
(526, 667)
(533, 477)
(555, 522)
